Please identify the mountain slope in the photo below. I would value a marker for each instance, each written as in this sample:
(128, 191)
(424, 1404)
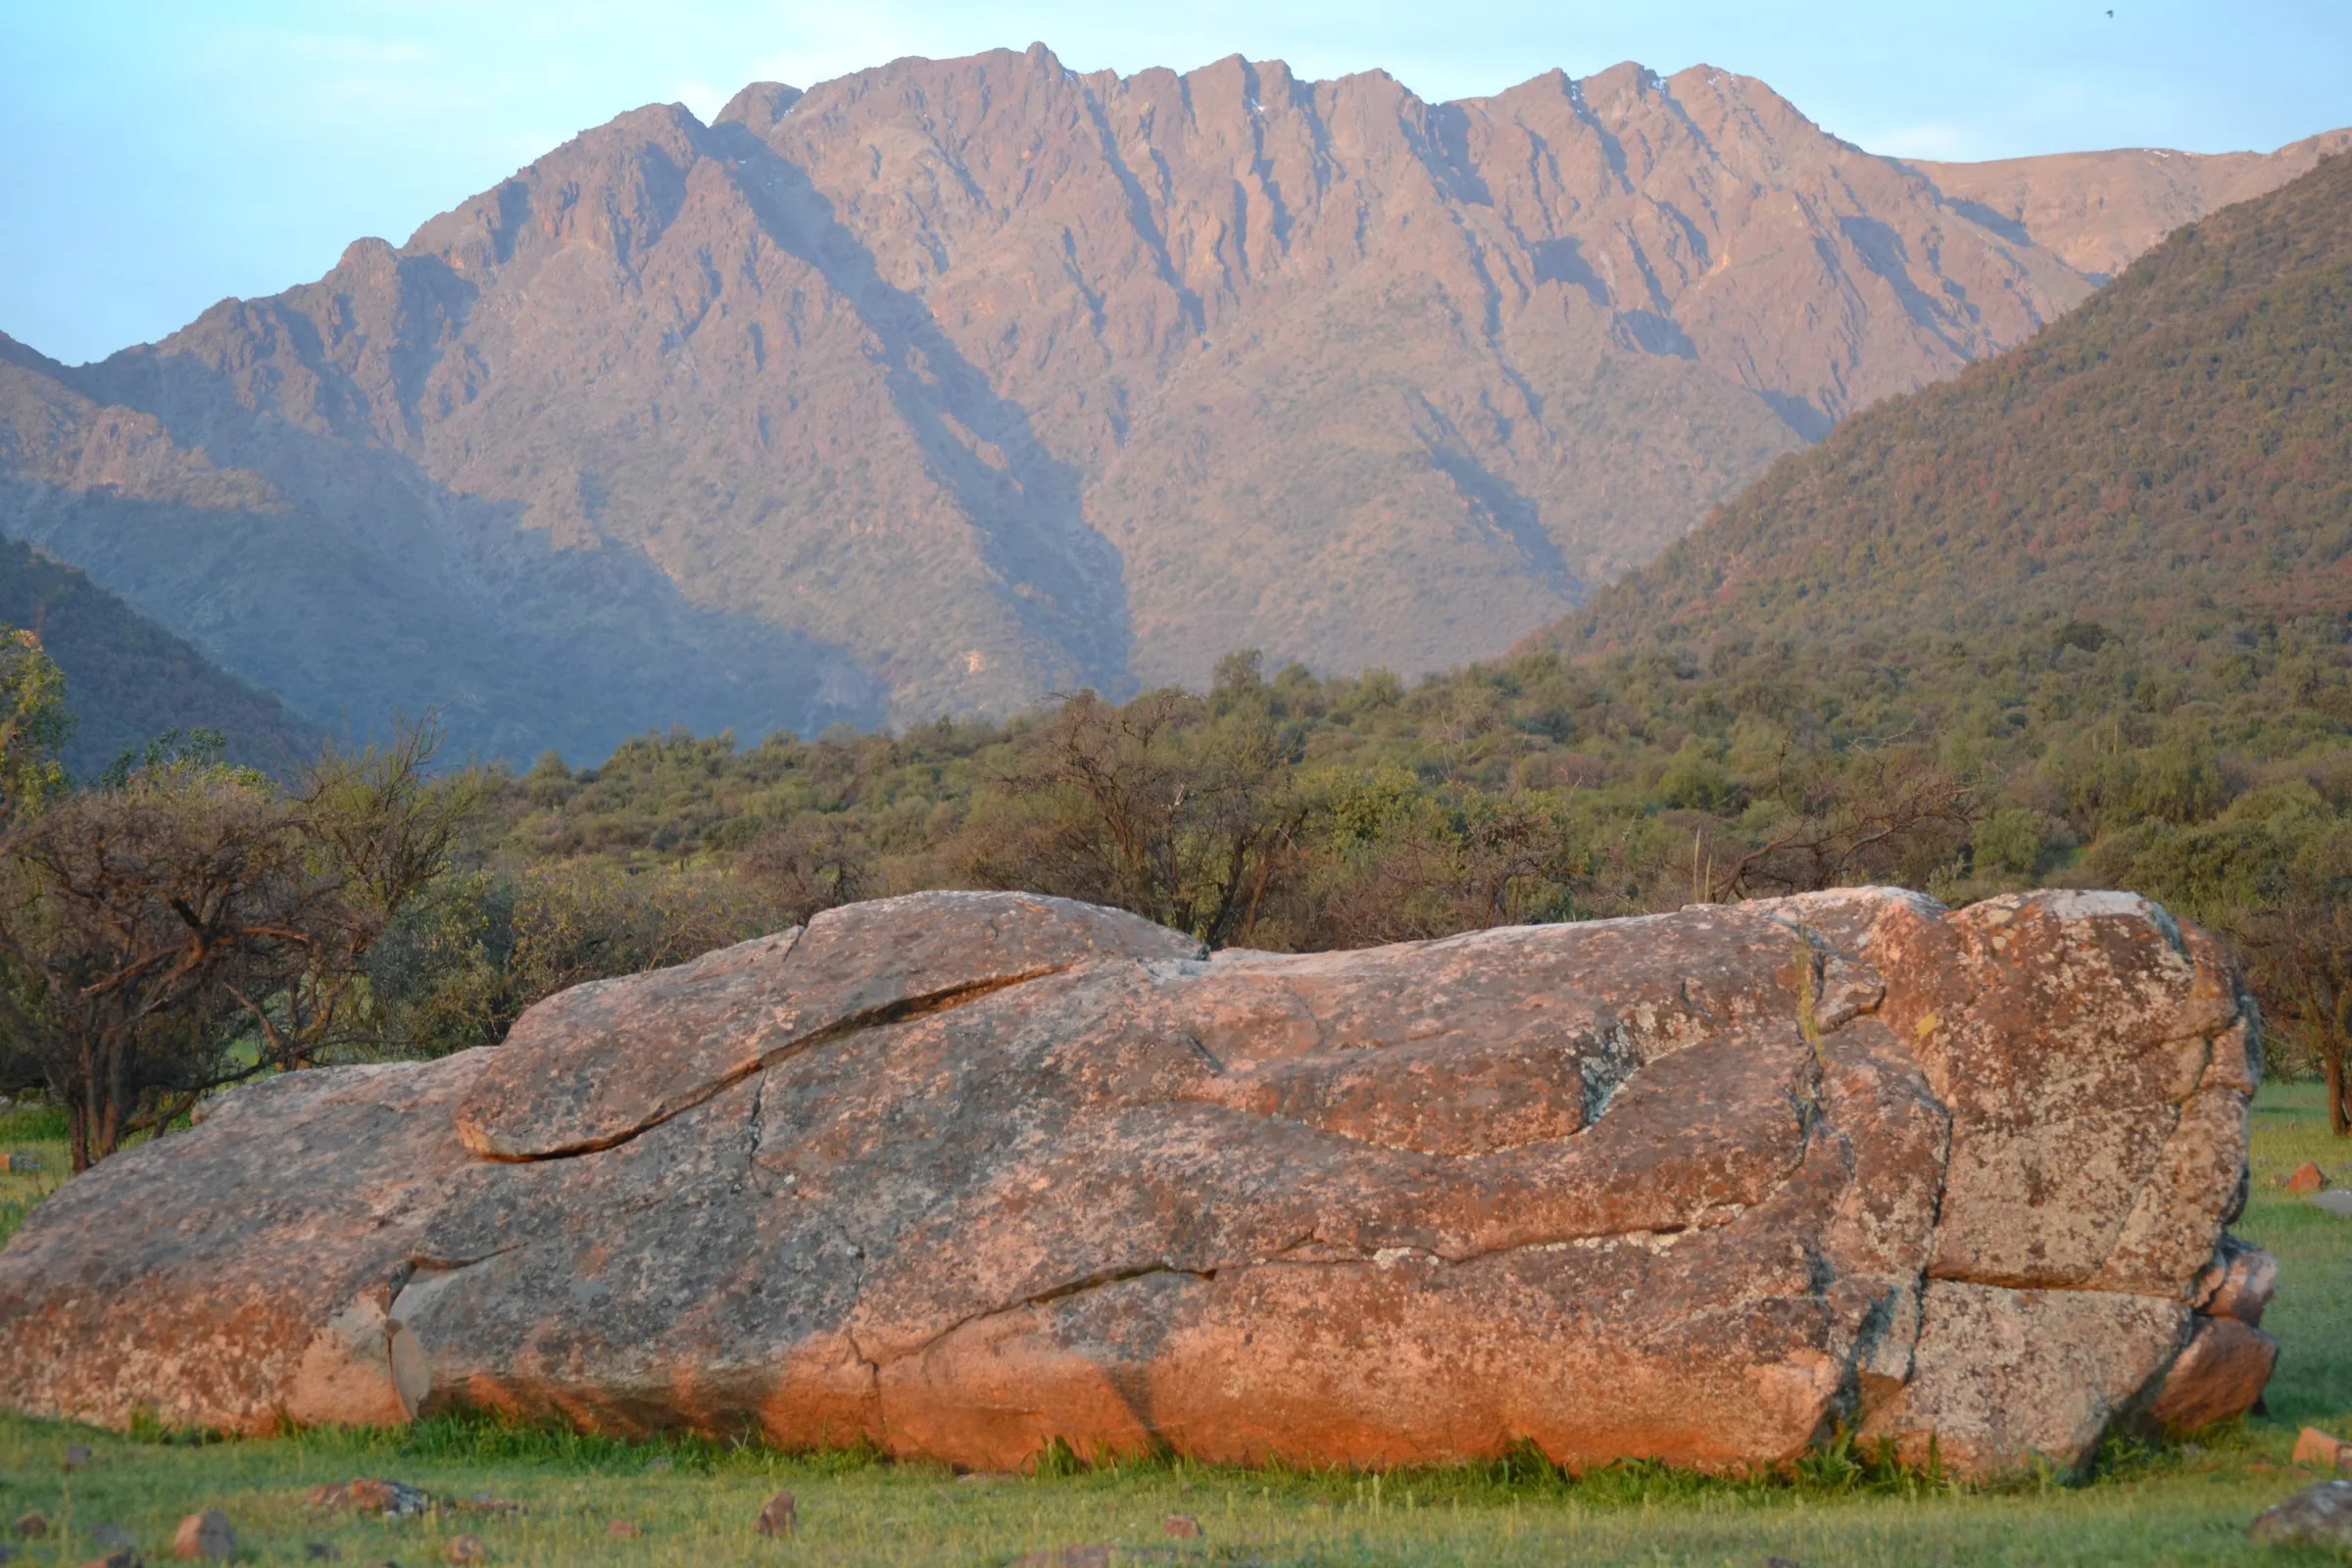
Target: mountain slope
(2097, 210)
(952, 383)
(127, 680)
(358, 592)
(2174, 459)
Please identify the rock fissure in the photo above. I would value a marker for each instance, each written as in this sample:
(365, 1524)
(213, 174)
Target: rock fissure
(894, 1012)
(1048, 1298)
(426, 1262)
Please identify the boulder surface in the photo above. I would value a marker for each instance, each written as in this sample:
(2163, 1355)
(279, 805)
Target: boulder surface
(963, 1173)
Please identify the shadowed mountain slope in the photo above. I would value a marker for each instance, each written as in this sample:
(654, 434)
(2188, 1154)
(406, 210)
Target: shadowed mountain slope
(127, 680)
(2173, 460)
(953, 383)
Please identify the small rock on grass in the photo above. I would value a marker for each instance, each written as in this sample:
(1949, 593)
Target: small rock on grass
(489, 1502)
(466, 1548)
(2313, 1447)
(779, 1517)
(78, 1456)
(111, 1536)
(394, 1500)
(121, 1557)
(2316, 1516)
(2334, 1201)
(1181, 1524)
(320, 1551)
(2307, 1178)
(32, 1525)
(622, 1527)
(205, 1535)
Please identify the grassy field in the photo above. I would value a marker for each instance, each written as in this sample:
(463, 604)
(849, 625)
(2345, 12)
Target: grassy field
(694, 1504)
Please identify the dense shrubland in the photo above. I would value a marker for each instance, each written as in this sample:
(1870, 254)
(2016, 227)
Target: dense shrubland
(180, 923)
(1290, 811)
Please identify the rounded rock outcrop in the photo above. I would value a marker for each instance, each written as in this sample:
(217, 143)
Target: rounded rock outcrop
(964, 1174)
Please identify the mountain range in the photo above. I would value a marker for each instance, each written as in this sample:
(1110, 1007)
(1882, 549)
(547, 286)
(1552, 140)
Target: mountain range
(950, 384)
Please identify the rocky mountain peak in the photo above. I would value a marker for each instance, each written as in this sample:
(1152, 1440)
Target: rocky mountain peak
(954, 382)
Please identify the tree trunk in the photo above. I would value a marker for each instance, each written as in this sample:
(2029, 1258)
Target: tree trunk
(2339, 1108)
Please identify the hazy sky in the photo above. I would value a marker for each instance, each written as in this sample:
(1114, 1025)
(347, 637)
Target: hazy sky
(162, 154)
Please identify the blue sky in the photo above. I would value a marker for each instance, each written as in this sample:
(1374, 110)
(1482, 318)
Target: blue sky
(162, 154)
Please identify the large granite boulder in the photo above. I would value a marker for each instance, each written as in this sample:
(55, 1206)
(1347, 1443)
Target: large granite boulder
(965, 1173)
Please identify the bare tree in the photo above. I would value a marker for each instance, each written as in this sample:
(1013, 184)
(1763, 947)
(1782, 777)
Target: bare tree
(1157, 807)
(1875, 814)
(136, 922)
(811, 863)
(190, 927)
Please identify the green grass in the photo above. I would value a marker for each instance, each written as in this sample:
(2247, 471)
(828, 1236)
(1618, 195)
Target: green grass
(42, 1133)
(694, 1502)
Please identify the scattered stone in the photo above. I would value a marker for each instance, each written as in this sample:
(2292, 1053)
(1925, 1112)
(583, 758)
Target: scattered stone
(2221, 1374)
(2307, 1178)
(2316, 1516)
(394, 1500)
(2336, 1201)
(32, 1525)
(489, 1502)
(1181, 1524)
(622, 1527)
(659, 1464)
(205, 1535)
(78, 1456)
(320, 1551)
(778, 1518)
(466, 1548)
(2238, 1283)
(2313, 1447)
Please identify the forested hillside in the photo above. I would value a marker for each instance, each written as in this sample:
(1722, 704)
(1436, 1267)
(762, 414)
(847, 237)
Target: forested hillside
(2174, 459)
